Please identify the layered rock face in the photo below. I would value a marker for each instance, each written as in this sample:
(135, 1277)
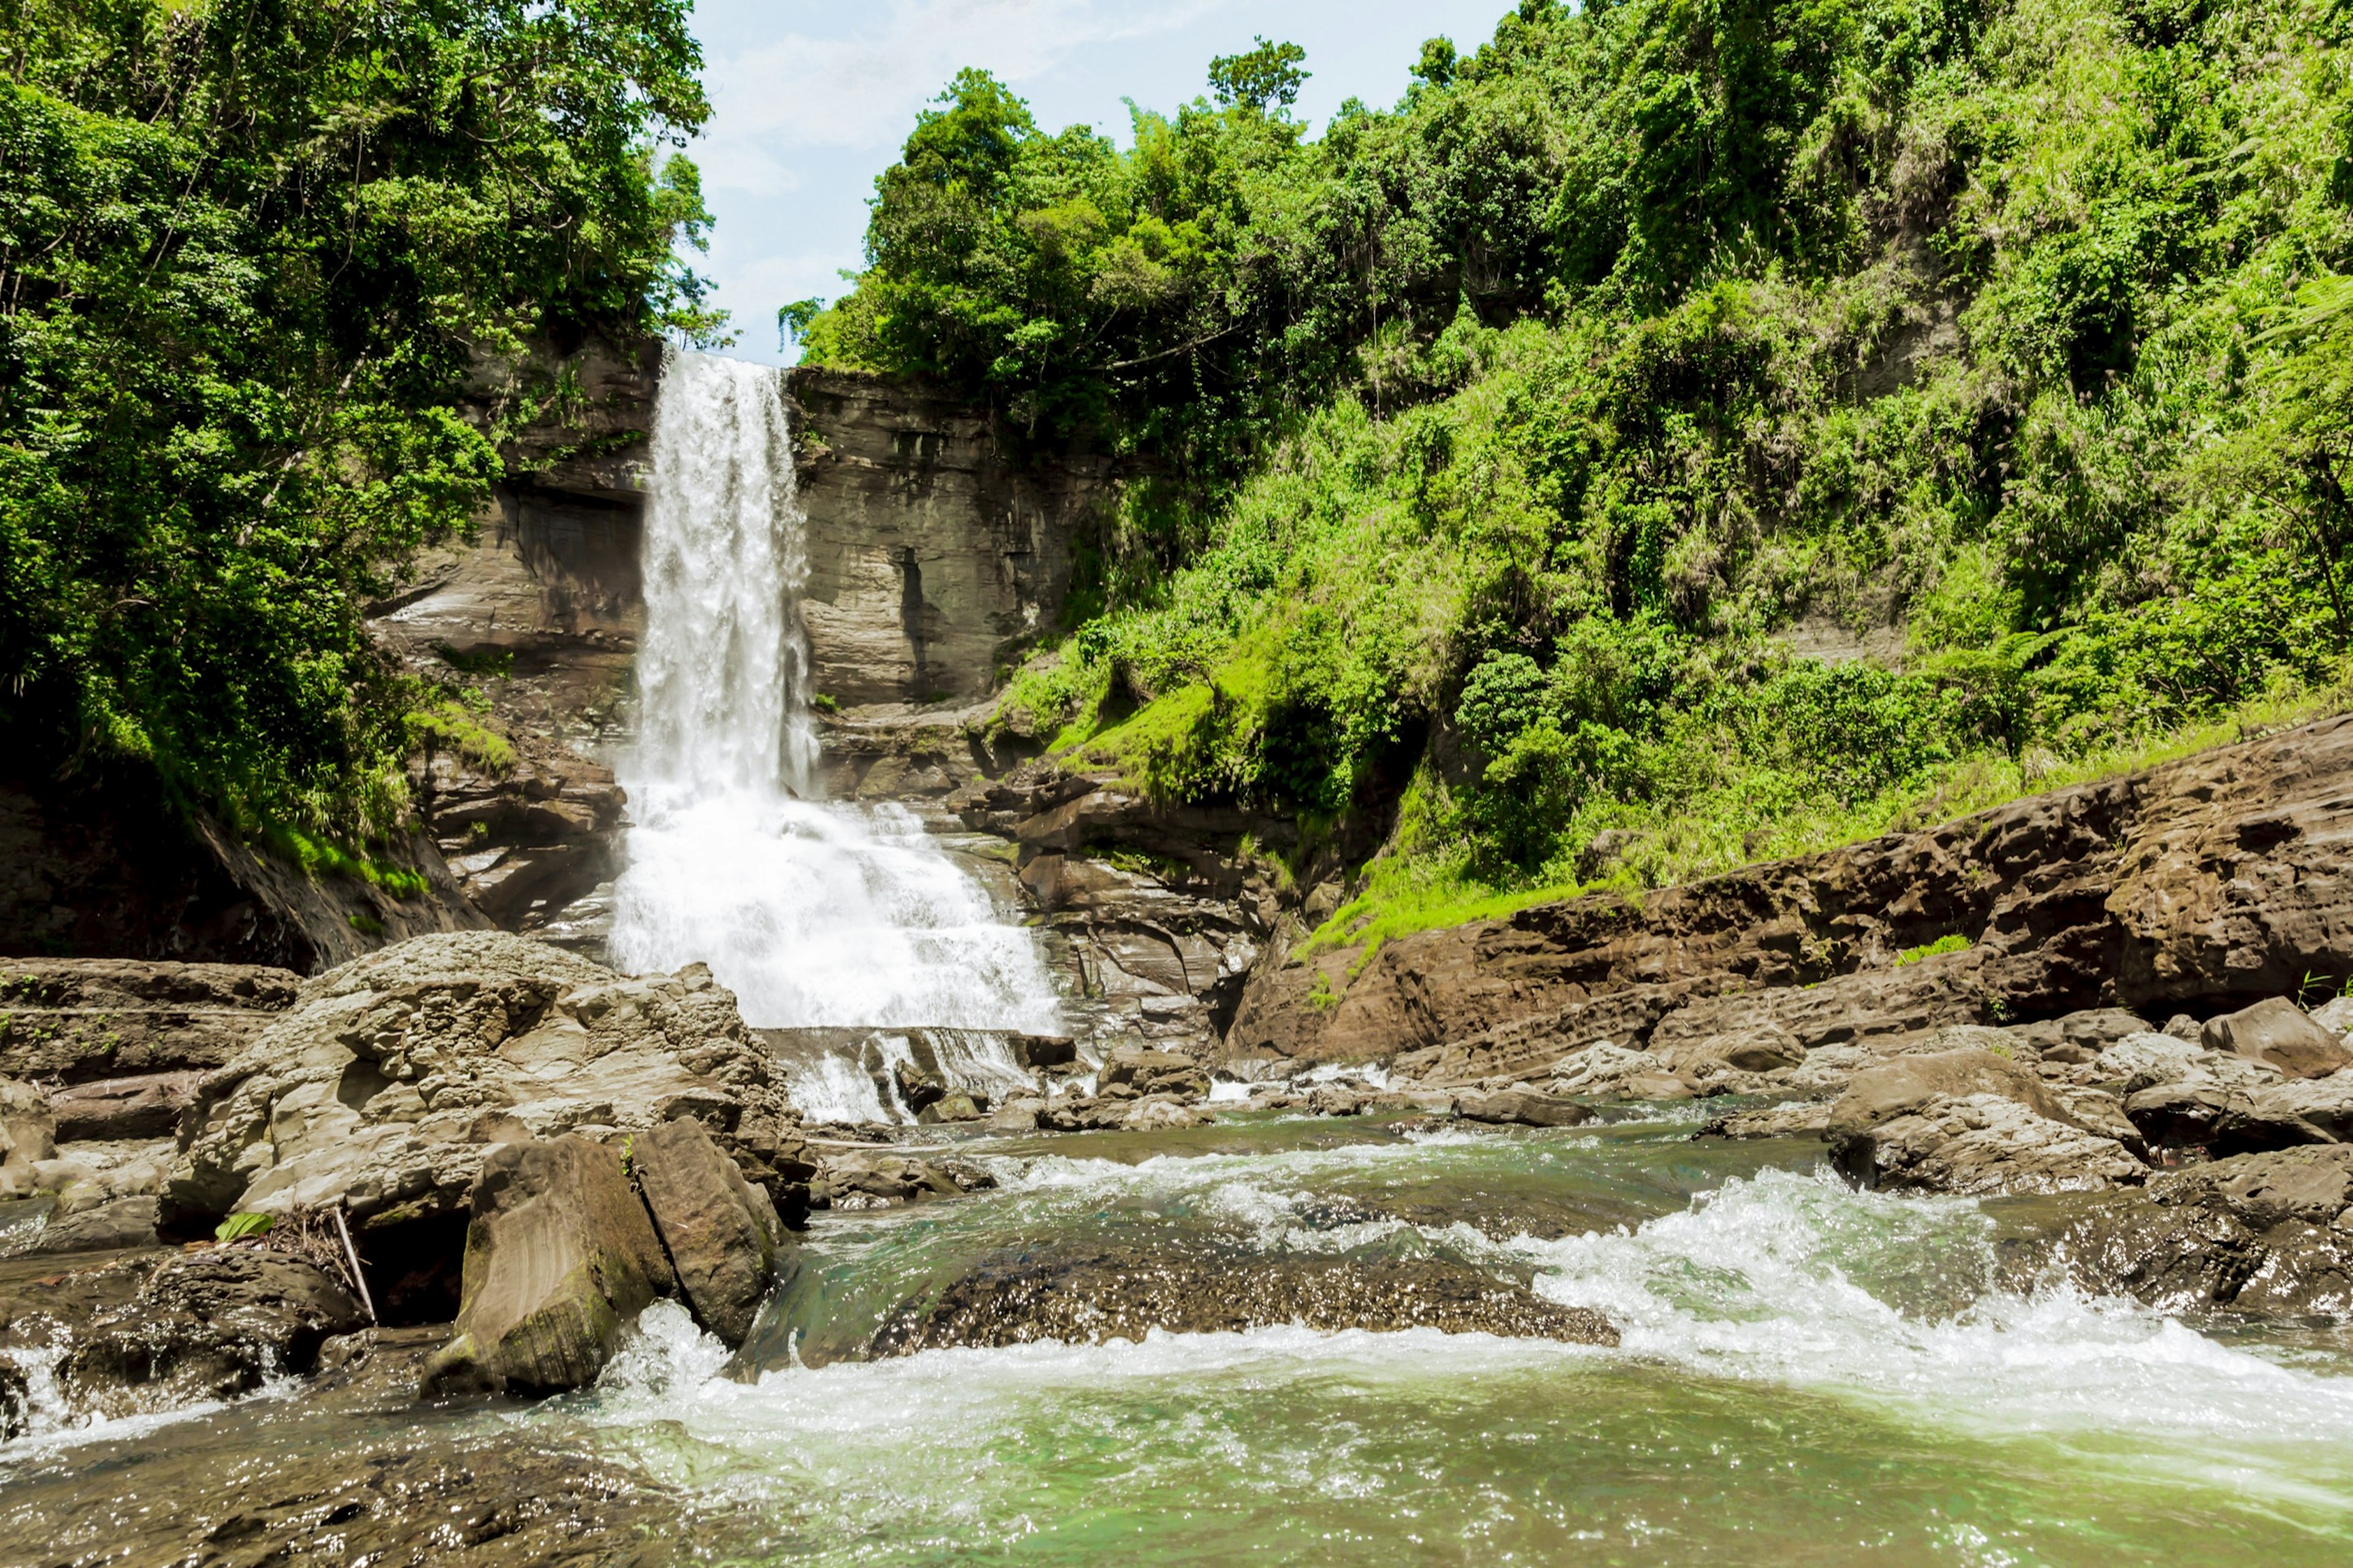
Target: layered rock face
(933, 557)
(2198, 886)
(1162, 912)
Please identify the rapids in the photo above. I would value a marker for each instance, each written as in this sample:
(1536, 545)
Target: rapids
(1809, 1375)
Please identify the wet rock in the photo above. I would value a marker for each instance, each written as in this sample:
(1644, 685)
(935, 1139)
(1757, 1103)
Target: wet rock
(1041, 1053)
(210, 1324)
(862, 1180)
(1801, 1119)
(2314, 1185)
(1522, 1108)
(955, 1105)
(2279, 1033)
(1334, 1099)
(148, 1106)
(104, 1228)
(919, 1088)
(378, 1497)
(27, 1138)
(1152, 1072)
(1967, 1121)
(386, 1085)
(1089, 1297)
(559, 1257)
(2263, 1235)
(721, 1233)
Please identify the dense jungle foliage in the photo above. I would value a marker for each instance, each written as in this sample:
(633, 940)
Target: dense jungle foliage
(1680, 431)
(248, 251)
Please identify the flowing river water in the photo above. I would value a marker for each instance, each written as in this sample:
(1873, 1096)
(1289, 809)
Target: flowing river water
(1808, 1375)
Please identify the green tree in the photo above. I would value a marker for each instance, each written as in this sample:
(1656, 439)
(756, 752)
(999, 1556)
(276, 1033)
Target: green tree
(249, 253)
(1266, 77)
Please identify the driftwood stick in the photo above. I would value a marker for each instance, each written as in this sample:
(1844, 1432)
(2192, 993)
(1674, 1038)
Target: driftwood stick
(359, 1277)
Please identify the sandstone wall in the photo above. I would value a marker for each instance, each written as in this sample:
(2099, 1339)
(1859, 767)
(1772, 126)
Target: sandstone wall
(932, 556)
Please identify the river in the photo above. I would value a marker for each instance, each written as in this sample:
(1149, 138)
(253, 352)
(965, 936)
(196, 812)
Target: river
(1808, 1375)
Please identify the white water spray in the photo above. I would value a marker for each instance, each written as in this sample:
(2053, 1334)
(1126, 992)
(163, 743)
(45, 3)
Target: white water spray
(814, 914)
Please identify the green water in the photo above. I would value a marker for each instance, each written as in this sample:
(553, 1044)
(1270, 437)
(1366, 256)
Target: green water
(1808, 1375)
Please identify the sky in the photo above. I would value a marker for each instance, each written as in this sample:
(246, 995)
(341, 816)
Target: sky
(811, 100)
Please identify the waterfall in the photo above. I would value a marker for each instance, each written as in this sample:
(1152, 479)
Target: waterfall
(814, 913)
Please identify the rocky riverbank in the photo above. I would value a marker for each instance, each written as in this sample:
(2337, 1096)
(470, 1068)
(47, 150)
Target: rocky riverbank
(471, 1160)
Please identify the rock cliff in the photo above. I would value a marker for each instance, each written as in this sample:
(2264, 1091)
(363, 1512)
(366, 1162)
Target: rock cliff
(2193, 888)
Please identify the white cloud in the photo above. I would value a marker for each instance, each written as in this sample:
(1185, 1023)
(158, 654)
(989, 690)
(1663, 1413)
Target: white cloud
(863, 89)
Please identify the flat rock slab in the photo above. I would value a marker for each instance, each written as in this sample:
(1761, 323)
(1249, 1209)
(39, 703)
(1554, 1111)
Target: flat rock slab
(1091, 1297)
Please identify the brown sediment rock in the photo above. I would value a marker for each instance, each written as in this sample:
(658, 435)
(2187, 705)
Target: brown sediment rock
(721, 1233)
(560, 1258)
(2204, 884)
(82, 1019)
(1089, 1297)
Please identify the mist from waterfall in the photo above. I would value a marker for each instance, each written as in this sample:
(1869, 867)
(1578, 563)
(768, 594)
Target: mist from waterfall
(813, 913)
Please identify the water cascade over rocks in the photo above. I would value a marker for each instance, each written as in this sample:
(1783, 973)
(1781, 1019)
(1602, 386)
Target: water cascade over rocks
(816, 914)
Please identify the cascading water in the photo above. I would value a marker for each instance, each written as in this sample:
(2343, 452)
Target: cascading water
(815, 914)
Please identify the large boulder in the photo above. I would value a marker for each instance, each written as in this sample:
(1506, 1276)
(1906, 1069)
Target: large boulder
(210, 1324)
(27, 1137)
(2278, 1032)
(1135, 1070)
(1759, 1049)
(721, 1232)
(2264, 1234)
(560, 1258)
(1984, 1145)
(388, 1082)
(1905, 1084)
(1969, 1122)
(1521, 1107)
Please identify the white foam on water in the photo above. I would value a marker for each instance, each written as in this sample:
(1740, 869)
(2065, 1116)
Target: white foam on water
(1786, 1277)
(833, 1088)
(814, 914)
